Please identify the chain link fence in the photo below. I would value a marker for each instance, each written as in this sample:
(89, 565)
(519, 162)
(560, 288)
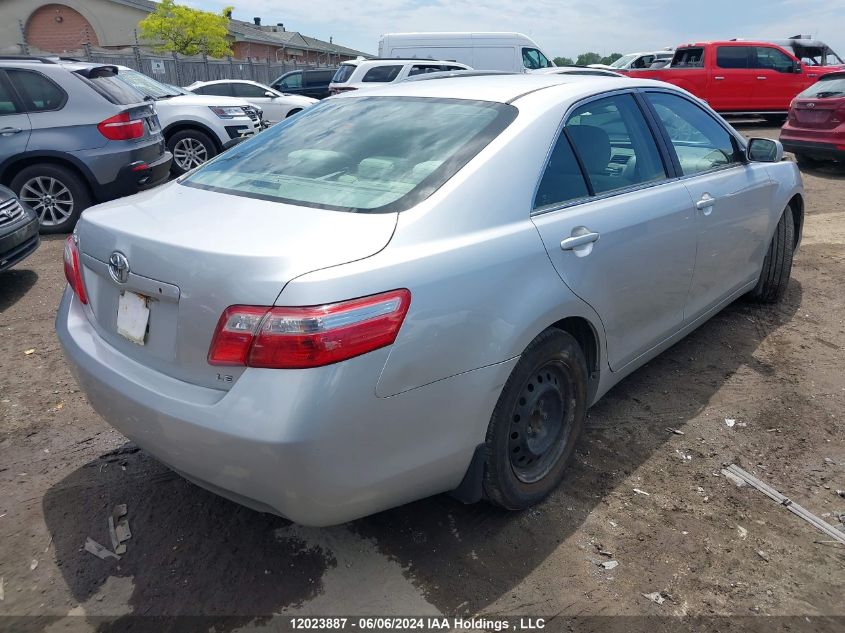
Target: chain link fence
(181, 70)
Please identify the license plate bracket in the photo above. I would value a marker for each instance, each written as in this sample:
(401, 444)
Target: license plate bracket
(133, 316)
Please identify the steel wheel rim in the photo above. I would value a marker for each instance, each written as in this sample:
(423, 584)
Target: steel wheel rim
(49, 198)
(189, 153)
(540, 429)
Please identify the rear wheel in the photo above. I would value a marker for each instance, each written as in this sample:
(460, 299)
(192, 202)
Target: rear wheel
(190, 148)
(777, 266)
(536, 422)
(57, 195)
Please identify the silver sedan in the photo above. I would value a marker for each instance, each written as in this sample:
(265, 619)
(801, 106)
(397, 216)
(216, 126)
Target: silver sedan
(419, 289)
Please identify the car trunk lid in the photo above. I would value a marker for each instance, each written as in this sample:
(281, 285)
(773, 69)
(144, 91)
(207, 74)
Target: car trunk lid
(192, 253)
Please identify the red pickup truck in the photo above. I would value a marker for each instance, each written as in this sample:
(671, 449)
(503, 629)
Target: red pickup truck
(739, 76)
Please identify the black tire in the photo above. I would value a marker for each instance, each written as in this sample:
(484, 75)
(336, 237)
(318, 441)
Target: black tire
(805, 162)
(539, 417)
(58, 211)
(190, 148)
(292, 112)
(777, 266)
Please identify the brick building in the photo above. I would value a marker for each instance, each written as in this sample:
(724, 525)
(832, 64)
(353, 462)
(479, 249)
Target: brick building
(68, 25)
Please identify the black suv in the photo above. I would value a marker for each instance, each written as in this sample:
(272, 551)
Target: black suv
(309, 83)
(18, 229)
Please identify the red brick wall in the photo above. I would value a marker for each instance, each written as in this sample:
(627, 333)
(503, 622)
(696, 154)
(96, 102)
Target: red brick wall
(46, 32)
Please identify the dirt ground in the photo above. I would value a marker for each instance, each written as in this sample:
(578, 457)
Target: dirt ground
(712, 548)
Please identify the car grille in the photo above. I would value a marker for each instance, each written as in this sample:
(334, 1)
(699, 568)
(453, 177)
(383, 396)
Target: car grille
(10, 211)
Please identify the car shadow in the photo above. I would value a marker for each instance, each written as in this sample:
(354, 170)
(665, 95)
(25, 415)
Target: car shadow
(193, 553)
(827, 170)
(14, 284)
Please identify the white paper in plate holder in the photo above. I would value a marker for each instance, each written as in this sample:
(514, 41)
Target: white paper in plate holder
(132, 317)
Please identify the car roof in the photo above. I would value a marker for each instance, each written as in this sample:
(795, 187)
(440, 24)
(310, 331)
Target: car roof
(500, 88)
(385, 61)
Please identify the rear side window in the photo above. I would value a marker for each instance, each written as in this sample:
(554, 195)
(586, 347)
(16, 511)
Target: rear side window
(826, 88)
(365, 154)
(692, 57)
(39, 93)
(732, 57)
(773, 59)
(382, 73)
(614, 144)
(343, 73)
(217, 90)
(700, 143)
(7, 103)
(562, 181)
(317, 77)
(248, 91)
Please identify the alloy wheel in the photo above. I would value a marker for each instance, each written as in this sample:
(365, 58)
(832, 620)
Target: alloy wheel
(49, 198)
(189, 153)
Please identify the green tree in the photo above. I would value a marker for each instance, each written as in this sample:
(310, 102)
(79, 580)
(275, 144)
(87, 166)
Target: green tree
(584, 59)
(564, 61)
(610, 58)
(176, 28)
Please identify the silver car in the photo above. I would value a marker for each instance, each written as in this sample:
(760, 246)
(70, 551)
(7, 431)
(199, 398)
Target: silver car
(420, 288)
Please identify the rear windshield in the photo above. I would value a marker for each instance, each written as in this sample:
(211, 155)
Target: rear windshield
(824, 88)
(114, 90)
(364, 154)
(147, 85)
(343, 73)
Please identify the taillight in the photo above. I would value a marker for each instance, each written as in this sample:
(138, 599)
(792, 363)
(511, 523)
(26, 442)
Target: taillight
(296, 338)
(73, 272)
(121, 128)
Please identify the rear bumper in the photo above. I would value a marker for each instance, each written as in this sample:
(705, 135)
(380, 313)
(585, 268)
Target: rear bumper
(813, 148)
(137, 176)
(316, 446)
(19, 243)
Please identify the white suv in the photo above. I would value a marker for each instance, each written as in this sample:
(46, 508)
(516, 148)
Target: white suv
(196, 127)
(367, 73)
(276, 105)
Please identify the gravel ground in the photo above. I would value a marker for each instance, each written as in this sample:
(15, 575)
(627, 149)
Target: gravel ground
(713, 549)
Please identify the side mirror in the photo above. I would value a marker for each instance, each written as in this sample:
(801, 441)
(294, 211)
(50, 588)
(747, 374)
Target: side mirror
(796, 67)
(764, 150)
(272, 95)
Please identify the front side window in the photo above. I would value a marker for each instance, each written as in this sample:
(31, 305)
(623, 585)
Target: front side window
(614, 144)
(533, 59)
(382, 74)
(39, 94)
(773, 59)
(424, 69)
(732, 57)
(365, 154)
(291, 82)
(700, 143)
(248, 91)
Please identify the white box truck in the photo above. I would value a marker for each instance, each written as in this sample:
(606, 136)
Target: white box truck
(513, 52)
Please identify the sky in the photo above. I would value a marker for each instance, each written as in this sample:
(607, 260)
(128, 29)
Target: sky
(559, 27)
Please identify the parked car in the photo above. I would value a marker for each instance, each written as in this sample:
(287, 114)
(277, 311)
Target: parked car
(738, 76)
(578, 70)
(366, 73)
(18, 230)
(275, 105)
(810, 52)
(195, 127)
(425, 299)
(308, 83)
(72, 135)
(634, 61)
(815, 129)
(512, 52)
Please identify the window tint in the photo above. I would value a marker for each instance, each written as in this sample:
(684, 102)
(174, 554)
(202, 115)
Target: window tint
(218, 90)
(533, 59)
(369, 154)
(562, 181)
(248, 91)
(614, 144)
(699, 141)
(343, 73)
(692, 57)
(382, 73)
(317, 77)
(113, 89)
(291, 82)
(39, 94)
(732, 57)
(7, 104)
(773, 59)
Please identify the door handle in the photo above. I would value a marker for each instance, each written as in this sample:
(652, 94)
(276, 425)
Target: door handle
(571, 243)
(706, 203)
(761, 79)
(6, 131)
(720, 78)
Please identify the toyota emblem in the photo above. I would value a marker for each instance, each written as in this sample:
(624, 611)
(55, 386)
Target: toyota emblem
(119, 267)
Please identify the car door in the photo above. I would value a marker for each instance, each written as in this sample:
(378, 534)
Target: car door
(732, 80)
(731, 199)
(778, 78)
(15, 127)
(619, 231)
(274, 107)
